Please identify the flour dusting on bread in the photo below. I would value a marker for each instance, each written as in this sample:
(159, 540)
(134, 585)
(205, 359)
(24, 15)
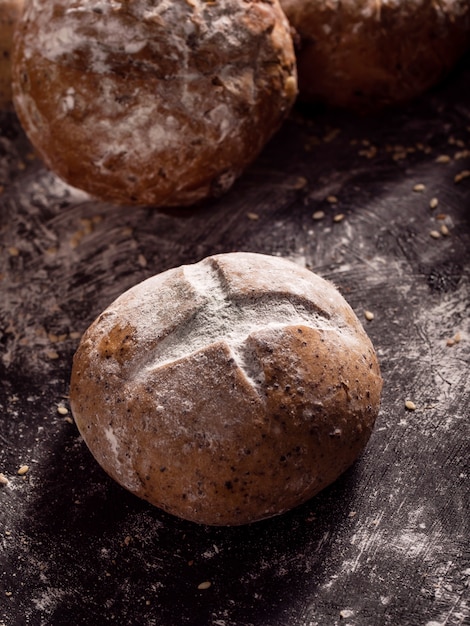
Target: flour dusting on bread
(228, 390)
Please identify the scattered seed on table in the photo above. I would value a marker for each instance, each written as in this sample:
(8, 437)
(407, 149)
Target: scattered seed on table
(444, 230)
(318, 215)
(23, 469)
(433, 203)
(419, 187)
(456, 142)
(339, 217)
(435, 234)
(299, 183)
(332, 199)
(3, 480)
(205, 585)
(369, 315)
(62, 410)
(461, 175)
(252, 216)
(443, 158)
(410, 405)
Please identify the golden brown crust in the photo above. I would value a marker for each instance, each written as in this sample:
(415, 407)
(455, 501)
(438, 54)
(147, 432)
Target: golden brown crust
(227, 391)
(161, 103)
(367, 54)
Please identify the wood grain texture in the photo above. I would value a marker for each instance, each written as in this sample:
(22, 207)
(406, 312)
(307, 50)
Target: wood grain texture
(388, 542)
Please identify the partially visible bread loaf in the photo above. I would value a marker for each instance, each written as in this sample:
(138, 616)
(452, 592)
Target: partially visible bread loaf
(368, 54)
(10, 11)
(227, 391)
(152, 102)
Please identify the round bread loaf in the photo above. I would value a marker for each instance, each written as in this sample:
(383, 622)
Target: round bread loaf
(227, 391)
(152, 102)
(367, 54)
(10, 11)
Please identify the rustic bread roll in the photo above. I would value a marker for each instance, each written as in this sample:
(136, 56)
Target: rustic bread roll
(227, 391)
(367, 54)
(152, 102)
(10, 11)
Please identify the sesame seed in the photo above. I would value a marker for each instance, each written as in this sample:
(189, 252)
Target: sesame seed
(3, 480)
(462, 154)
(339, 217)
(62, 410)
(332, 199)
(252, 216)
(318, 215)
(433, 203)
(459, 143)
(205, 585)
(24, 469)
(435, 234)
(369, 315)
(410, 405)
(419, 187)
(461, 175)
(299, 183)
(331, 134)
(444, 230)
(443, 158)
(51, 354)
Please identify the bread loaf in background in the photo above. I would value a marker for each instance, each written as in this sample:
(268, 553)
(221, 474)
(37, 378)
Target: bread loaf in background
(152, 102)
(369, 54)
(10, 11)
(227, 391)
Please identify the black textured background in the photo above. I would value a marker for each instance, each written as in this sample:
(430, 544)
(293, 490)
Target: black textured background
(388, 542)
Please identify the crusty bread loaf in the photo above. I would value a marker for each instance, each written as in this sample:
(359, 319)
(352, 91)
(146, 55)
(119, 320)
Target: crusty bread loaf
(10, 11)
(227, 391)
(368, 54)
(152, 102)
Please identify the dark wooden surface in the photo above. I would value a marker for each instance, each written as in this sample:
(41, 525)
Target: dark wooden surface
(388, 542)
